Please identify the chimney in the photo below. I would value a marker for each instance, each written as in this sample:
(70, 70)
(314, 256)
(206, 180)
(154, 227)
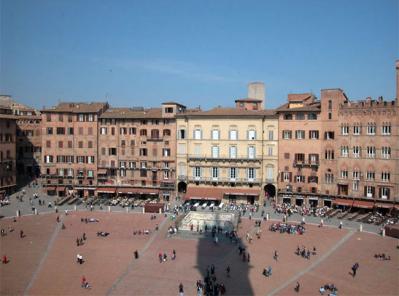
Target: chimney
(256, 90)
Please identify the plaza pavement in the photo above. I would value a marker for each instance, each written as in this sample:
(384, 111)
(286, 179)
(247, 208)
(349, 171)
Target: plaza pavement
(44, 262)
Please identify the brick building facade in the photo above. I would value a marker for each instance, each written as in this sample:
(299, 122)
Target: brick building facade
(7, 150)
(137, 151)
(69, 148)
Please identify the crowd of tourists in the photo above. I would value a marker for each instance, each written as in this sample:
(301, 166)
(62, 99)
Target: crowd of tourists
(287, 228)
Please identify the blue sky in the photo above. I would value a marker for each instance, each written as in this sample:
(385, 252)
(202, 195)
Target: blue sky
(141, 53)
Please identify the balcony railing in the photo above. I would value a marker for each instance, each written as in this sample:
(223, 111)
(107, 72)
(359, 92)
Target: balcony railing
(224, 158)
(304, 163)
(224, 180)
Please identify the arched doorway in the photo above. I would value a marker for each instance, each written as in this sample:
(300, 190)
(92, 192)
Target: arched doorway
(182, 187)
(270, 190)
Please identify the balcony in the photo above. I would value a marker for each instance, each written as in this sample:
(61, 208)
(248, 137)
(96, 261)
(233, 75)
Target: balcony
(238, 158)
(238, 181)
(155, 139)
(300, 163)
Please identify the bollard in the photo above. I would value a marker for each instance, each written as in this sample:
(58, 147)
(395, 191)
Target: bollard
(303, 219)
(109, 208)
(127, 209)
(143, 210)
(75, 208)
(36, 212)
(18, 213)
(383, 232)
(267, 216)
(56, 209)
(361, 227)
(160, 211)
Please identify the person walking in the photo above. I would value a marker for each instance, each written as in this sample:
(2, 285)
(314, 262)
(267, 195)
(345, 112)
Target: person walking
(297, 287)
(228, 271)
(354, 269)
(181, 290)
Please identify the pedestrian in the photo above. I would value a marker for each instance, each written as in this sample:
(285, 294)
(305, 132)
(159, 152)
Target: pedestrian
(83, 282)
(5, 260)
(21, 234)
(228, 271)
(84, 236)
(248, 258)
(297, 287)
(174, 255)
(181, 290)
(275, 255)
(160, 257)
(77, 242)
(354, 269)
(58, 219)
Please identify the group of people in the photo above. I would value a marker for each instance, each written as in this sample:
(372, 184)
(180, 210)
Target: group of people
(210, 286)
(305, 253)
(287, 228)
(139, 232)
(80, 241)
(328, 287)
(163, 257)
(382, 256)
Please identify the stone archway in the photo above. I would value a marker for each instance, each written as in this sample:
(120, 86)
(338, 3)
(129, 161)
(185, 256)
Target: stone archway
(270, 190)
(182, 187)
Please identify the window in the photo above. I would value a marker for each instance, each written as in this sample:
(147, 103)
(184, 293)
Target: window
(60, 131)
(271, 135)
(80, 159)
(70, 130)
(168, 109)
(197, 134)
(344, 151)
(102, 151)
(112, 151)
(355, 185)
(233, 135)
(90, 131)
(166, 152)
(48, 158)
(386, 128)
(48, 144)
(215, 173)
(49, 130)
(215, 151)
(286, 176)
(166, 175)
(91, 117)
(329, 154)
(370, 152)
(69, 144)
(345, 129)
(288, 116)
(80, 130)
(369, 191)
(286, 155)
(251, 174)
(154, 134)
(313, 159)
(70, 118)
(385, 176)
(48, 117)
(329, 135)
(215, 134)
(344, 174)
(300, 116)
(385, 152)
(299, 179)
(299, 134)
(312, 116)
(197, 149)
(299, 158)
(143, 132)
(356, 175)
(103, 131)
(384, 192)
(166, 133)
(329, 115)
(90, 159)
(233, 174)
(90, 144)
(181, 148)
(314, 135)
(60, 144)
(329, 104)
(197, 172)
(182, 134)
(269, 151)
(81, 117)
(80, 144)
(233, 151)
(357, 129)
(251, 152)
(269, 173)
(132, 131)
(329, 177)
(251, 135)
(356, 151)
(371, 128)
(143, 152)
(287, 135)
(143, 164)
(370, 175)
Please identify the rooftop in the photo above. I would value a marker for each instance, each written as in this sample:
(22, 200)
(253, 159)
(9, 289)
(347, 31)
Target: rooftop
(76, 107)
(228, 111)
(123, 113)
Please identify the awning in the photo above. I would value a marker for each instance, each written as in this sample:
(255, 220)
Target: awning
(384, 205)
(106, 190)
(125, 190)
(314, 198)
(397, 207)
(343, 202)
(131, 190)
(363, 204)
(51, 188)
(244, 192)
(102, 171)
(204, 193)
(62, 188)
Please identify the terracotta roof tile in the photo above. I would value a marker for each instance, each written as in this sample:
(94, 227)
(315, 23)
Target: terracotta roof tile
(74, 107)
(221, 111)
(120, 113)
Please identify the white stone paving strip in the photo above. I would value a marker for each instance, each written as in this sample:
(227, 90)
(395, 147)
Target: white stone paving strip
(44, 256)
(313, 265)
(141, 253)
